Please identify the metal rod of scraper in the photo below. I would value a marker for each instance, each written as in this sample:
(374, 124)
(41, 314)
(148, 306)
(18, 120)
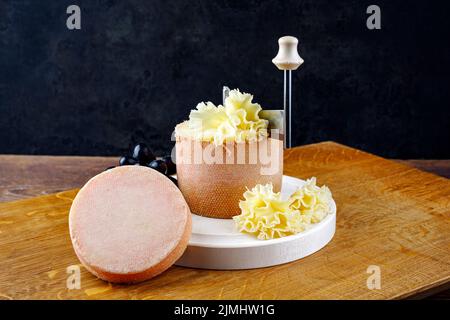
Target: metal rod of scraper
(285, 108)
(287, 59)
(290, 110)
(225, 94)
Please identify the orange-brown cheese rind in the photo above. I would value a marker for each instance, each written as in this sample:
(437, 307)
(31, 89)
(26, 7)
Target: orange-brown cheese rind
(129, 224)
(214, 189)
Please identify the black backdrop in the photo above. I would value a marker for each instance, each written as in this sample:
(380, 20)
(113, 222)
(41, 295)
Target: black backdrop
(136, 68)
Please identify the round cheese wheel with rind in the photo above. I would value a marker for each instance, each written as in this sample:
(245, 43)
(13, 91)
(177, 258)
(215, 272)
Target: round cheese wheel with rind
(129, 224)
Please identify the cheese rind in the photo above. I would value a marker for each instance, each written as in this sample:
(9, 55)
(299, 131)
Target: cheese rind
(213, 185)
(129, 224)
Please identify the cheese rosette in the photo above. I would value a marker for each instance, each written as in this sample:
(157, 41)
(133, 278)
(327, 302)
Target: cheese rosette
(312, 201)
(211, 123)
(237, 121)
(267, 216)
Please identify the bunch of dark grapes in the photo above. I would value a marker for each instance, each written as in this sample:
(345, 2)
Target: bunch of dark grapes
(141, 155)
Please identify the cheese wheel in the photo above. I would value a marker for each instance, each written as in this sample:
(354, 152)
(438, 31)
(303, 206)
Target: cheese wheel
(215, 189)
(129, 224)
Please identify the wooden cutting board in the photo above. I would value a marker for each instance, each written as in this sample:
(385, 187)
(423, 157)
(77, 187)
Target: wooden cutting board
(389, 215)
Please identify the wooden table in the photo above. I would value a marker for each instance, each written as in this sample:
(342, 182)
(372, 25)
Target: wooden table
(359, 182)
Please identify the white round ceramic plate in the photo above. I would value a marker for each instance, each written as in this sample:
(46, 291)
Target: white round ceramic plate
(217, 244)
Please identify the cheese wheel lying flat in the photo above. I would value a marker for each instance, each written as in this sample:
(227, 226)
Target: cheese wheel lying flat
(129, 224)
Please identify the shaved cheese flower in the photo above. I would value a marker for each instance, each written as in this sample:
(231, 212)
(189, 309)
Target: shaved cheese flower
(237, 121)
(211, 123)
(312, 201)
(267, 216)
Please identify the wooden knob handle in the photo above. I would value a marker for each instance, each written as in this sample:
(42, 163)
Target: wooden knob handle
(287, 57)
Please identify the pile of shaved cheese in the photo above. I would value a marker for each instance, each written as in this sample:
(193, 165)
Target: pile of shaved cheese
(267, 216)
(238, 120)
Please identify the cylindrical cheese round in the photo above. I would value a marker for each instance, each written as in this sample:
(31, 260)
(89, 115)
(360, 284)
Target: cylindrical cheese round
(214, 178)
(129, 224)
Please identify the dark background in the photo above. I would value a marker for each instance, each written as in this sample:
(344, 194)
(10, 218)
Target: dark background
(136, 68)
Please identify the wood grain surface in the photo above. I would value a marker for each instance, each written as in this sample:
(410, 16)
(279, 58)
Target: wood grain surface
(389, 214)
